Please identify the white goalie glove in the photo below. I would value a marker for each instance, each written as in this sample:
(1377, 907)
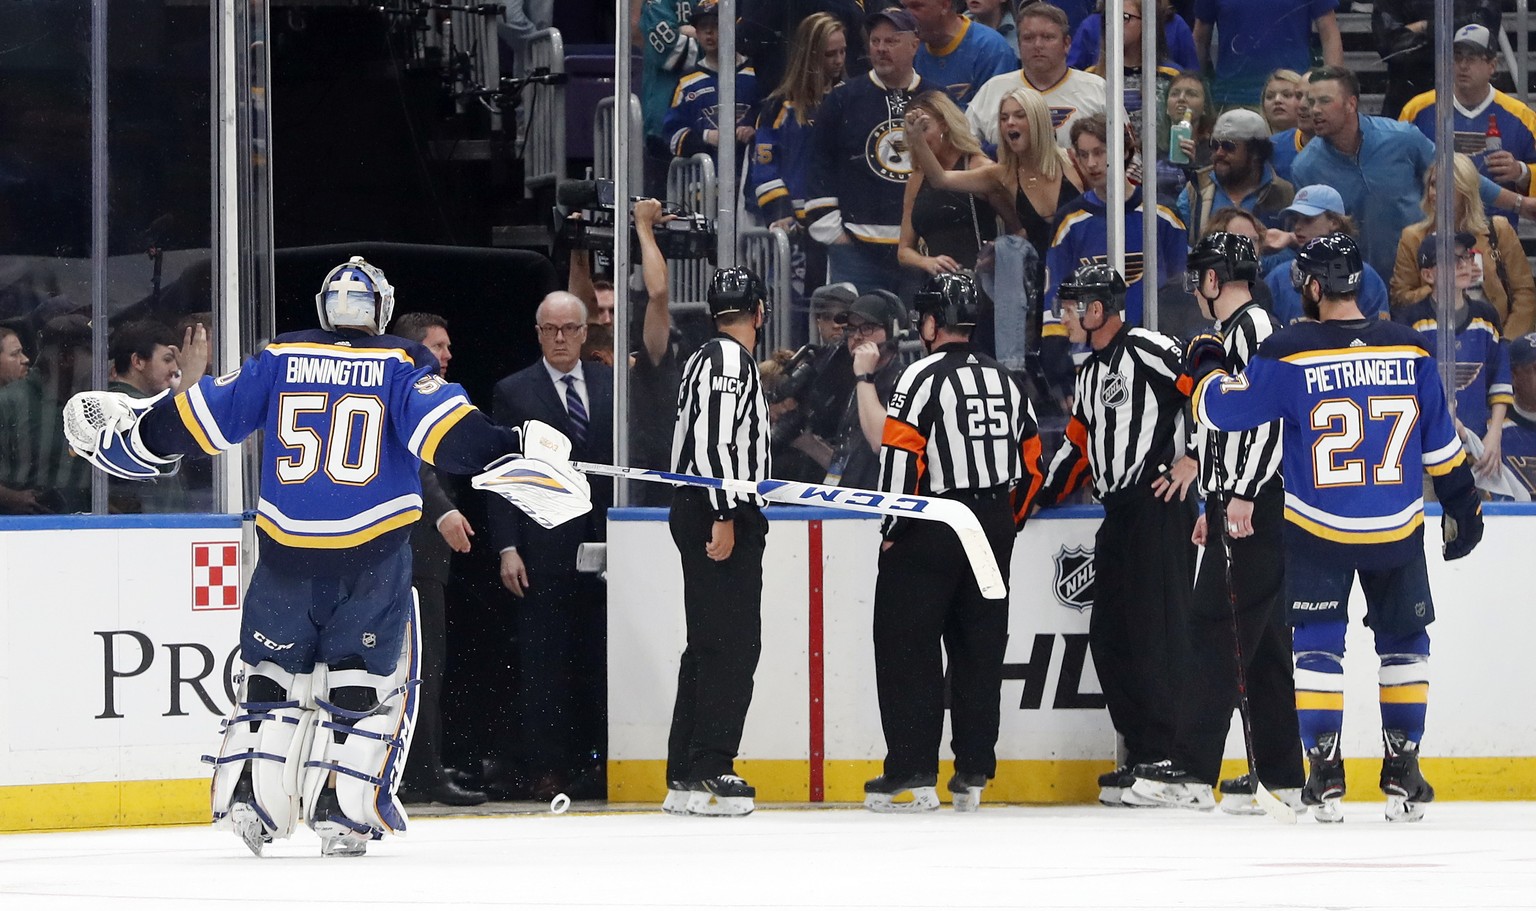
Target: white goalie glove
(541, 482)
(103, 429)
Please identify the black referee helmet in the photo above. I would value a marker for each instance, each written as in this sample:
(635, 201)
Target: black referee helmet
(951, 298)
(1334, 260)
(1094, 282)
(736, 290)
(1232, 256)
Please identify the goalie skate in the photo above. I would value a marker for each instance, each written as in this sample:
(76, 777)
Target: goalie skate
(245, 818)
(880, 794)
(723, 795)
(965, 791)
(1407, 791)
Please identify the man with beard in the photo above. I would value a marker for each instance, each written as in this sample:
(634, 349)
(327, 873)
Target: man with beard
(1239, 175)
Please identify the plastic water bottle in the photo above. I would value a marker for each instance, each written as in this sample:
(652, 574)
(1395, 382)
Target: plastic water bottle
(1176, 135)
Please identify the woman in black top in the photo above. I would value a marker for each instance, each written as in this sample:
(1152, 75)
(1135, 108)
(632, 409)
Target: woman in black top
(1032, 173)
(942, 229)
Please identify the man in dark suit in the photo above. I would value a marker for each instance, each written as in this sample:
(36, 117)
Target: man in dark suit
(560, 613)
(441, 530)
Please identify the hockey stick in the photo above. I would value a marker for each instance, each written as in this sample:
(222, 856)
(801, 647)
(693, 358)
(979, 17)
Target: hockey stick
(910, 506)
(1273, 807)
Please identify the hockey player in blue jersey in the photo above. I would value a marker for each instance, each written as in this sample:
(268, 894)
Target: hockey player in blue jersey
(328, 636)
(1363, 411)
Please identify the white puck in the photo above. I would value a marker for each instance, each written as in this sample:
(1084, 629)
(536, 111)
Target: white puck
(560, 804)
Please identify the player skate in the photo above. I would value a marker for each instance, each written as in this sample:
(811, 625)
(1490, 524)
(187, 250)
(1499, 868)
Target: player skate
(676, 802)
(965, 790)
(1324, 791)
(723, 795)
(1239, 798)
(880, 794)
(1167, 784)
(1407, 791)
(1113, 785)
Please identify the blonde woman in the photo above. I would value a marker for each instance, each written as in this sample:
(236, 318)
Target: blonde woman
(1032, 177)
(1507, 282)
(942, 229)
(1281, 101)
(817, 62)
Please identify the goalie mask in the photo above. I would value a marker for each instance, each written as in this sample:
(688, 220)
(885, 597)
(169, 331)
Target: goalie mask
(355, 295)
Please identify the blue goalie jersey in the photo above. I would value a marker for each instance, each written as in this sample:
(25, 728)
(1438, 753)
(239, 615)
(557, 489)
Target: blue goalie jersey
(1364, 415)
(347, 422)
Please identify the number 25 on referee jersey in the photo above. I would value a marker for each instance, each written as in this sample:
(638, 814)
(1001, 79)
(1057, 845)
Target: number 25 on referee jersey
(986, 417)
(1342, 423)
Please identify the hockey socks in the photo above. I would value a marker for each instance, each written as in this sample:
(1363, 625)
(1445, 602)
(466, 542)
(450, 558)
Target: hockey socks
(1319, 651)
(1404, 683)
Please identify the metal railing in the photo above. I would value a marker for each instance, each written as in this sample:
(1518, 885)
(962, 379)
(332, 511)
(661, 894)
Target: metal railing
(691, 183)
(544, 145)
(766, 252)
(602, 142)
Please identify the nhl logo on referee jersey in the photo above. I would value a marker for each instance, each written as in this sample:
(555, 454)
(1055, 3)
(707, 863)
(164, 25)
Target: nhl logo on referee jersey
(1114, 393)
(1073, 585)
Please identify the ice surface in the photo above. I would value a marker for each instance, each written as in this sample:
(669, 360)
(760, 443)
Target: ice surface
(1463, 856)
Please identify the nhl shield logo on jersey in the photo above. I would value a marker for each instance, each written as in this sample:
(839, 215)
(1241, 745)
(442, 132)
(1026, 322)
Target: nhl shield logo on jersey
(1115, 392)
(370, 640)
(1073, 585)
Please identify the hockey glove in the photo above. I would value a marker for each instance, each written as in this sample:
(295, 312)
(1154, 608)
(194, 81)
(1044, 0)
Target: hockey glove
(1461, 528)
(551, 493)
(542, 441)
(103, 429)
(1204, 354)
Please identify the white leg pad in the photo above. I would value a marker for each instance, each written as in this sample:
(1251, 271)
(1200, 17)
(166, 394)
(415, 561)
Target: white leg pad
(271, 739)
(372, 753)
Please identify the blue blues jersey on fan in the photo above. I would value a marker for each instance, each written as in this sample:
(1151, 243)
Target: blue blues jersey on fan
(1518, 451)
(1482, 366)
(1517, 133)
(1364, 413)
(347, 420)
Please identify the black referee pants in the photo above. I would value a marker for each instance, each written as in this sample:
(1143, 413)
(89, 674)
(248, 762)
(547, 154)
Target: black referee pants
(1138, 631)
(1258, 579)
(925, 596)
(722, 601)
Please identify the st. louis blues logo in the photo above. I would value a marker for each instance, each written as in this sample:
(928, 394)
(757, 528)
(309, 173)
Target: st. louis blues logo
(1073, 585)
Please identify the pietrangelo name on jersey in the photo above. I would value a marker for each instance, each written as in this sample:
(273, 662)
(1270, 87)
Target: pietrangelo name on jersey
(1376, 372)
(334, 372)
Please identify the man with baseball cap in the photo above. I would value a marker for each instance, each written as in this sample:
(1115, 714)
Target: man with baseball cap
(1405, 38)
(1239, 175)
(1315, 211)
(1496, 129)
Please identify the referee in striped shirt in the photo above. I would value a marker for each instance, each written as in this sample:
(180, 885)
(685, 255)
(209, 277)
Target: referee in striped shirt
(958, 426)
(1126, 430)
(1240, 471)
(721, 432)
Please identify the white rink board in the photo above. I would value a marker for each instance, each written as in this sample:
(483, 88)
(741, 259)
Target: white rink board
(1477, 663)
(94, 624)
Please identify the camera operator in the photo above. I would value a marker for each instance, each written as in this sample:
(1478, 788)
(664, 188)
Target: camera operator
(873, 327)
(807, 405)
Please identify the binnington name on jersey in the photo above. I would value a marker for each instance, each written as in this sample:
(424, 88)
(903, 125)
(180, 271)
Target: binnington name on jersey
(333, 372)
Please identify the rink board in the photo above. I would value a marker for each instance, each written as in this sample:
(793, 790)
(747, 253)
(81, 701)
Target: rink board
(115, 671)
(813, 731)
(114, 678)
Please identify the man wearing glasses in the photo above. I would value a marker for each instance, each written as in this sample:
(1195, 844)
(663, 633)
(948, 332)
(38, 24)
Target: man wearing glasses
(558, 613)
(1240, 174)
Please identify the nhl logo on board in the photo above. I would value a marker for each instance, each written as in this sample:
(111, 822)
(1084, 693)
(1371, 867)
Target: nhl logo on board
(1073, 585)
(1115, 392)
